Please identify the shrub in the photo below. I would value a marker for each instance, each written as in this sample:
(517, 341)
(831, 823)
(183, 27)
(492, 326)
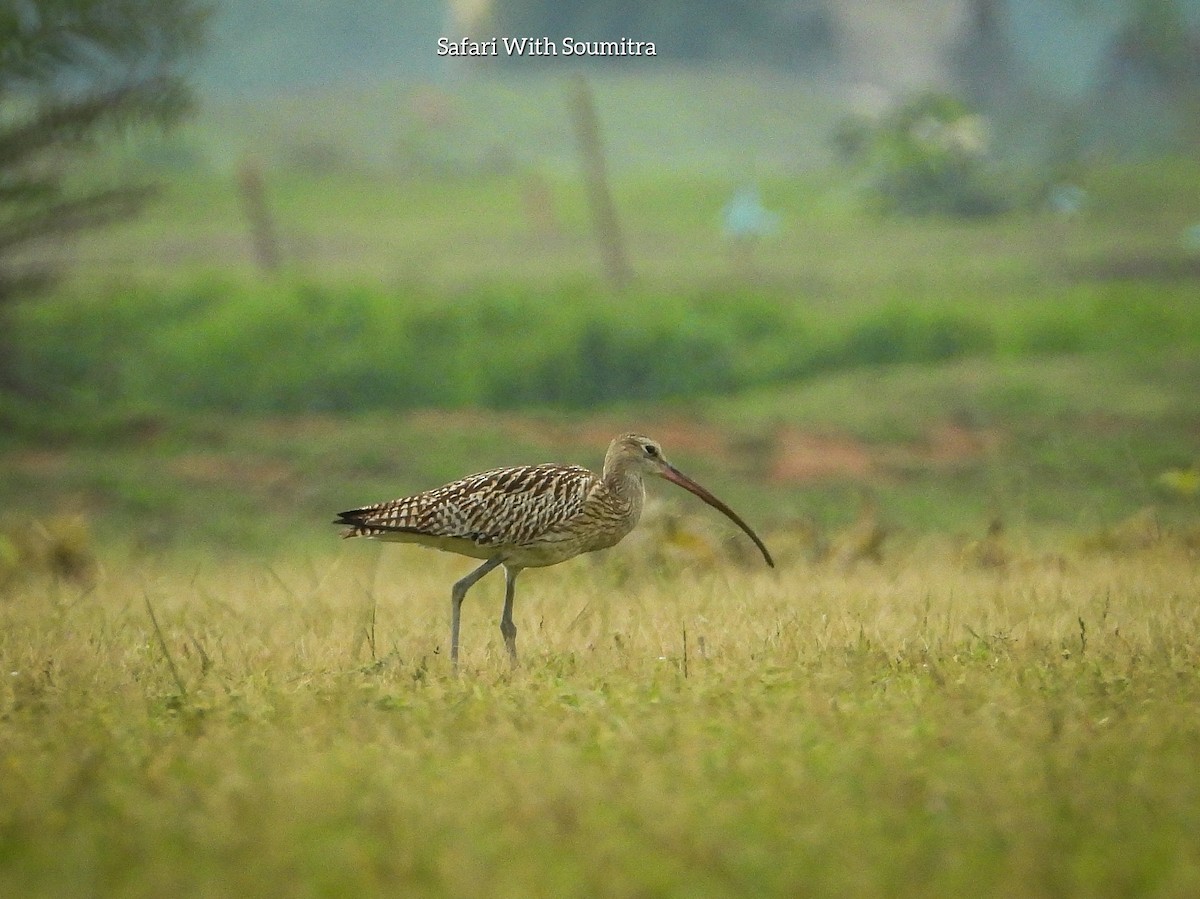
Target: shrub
(927, 156)
(307, 348)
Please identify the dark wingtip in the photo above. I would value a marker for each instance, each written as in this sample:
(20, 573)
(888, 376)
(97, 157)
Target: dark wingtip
(358, 524)
(352, 520)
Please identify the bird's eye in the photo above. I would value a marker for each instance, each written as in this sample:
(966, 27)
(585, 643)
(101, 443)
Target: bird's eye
(651, 450)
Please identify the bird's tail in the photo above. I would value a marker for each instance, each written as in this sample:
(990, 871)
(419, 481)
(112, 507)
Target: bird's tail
(354, 524)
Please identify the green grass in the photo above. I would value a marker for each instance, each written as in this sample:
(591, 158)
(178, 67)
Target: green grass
(306, 347)
(1071, 443)
(1064, 349)
(681, 725)
(920, 729)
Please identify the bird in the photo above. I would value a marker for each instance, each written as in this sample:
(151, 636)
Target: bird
(529, 516)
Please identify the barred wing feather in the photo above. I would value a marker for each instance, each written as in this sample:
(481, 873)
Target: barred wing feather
(504, 506)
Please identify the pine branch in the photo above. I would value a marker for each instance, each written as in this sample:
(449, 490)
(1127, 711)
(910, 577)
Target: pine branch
(39, 40)
(74, 120)
(76, 214)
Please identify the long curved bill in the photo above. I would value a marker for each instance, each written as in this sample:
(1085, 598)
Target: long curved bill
(675, 476)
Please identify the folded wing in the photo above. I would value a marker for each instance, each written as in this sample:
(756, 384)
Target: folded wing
(501, 507)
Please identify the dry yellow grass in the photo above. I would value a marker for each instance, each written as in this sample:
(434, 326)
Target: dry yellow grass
(918, 727)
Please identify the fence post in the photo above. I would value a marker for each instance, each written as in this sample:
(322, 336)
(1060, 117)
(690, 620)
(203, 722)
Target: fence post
(604, 214)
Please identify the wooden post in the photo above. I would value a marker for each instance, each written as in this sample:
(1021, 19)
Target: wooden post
(604, 213)
(253, 192)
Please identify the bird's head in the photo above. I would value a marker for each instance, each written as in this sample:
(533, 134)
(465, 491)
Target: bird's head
(633, 454)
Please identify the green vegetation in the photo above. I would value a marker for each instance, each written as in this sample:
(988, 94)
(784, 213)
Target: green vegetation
(319, 349)
(927, 156)
(202, 691)
(496, 315)
(71, 73)
(290, 729)
(1028, 366)
(309, 348)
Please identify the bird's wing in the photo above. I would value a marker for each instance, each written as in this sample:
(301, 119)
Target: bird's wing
(504, 506)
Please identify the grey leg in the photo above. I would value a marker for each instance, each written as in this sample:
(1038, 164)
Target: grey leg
(457, 595)
(507, 627)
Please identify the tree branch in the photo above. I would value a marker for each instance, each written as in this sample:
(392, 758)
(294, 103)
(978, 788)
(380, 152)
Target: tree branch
(79, 213)
(72, 120)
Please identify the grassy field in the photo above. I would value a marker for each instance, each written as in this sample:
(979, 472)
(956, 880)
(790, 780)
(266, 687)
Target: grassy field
(1065, 447)
(204, 693)
(1029, 366)
(291, 728)
(531, 227)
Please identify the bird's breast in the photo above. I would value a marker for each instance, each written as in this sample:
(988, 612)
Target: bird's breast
(610, 516)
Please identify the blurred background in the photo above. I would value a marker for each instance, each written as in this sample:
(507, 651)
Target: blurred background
(910, 268)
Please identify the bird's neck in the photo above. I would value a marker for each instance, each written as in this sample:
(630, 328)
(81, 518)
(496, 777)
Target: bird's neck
(628, 489)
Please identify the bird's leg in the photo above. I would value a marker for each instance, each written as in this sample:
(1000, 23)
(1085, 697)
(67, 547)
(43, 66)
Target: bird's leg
(507, 627)
(457, 595)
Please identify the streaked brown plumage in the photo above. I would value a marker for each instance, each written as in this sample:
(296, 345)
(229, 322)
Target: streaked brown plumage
(529, 516)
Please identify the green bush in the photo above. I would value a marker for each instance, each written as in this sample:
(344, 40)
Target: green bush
(307, 348)
(926, 156)
(900, 335)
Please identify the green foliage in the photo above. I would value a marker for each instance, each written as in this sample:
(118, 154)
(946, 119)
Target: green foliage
(903, 334)
(927, 156)
(72, 72)
(308, 348)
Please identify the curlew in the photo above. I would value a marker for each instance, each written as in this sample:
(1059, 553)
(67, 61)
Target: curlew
(529, 516)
